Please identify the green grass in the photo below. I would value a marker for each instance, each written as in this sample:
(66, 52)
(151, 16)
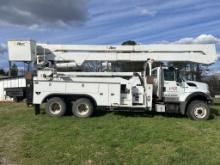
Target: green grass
(111, 138)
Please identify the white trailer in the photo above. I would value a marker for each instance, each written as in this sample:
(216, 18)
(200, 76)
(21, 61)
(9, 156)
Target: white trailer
(12, 88)
(159, 89)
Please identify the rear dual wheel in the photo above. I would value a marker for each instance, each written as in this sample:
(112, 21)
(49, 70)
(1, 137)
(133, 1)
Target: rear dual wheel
(55, 107)
(82, 108)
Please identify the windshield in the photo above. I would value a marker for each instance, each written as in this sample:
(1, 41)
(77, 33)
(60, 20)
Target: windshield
(180, 76)
(173, 74)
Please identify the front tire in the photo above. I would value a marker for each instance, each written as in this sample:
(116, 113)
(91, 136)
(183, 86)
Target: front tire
(55, 107)
(198, 110)
(82, 108)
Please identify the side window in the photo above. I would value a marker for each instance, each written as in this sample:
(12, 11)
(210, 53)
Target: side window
(169, 75)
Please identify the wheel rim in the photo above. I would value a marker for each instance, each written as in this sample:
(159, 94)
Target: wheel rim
(55, 108)
(200, 112)
(82, 109)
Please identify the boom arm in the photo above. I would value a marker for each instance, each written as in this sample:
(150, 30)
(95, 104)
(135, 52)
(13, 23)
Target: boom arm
(204, 54)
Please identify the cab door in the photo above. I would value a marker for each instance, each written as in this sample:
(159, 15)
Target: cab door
(172, 88)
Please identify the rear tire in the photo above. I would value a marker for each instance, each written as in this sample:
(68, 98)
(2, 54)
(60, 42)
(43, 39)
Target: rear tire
(55, 107)
(198, 110)
(82, 108)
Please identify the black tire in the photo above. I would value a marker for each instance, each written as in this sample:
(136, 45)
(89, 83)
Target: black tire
(55, 107)
(198, 110)
(82, 108)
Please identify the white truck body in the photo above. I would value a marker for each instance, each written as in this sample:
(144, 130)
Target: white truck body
(105, 90)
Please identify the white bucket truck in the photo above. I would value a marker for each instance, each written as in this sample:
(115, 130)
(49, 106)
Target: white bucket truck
(160, 89)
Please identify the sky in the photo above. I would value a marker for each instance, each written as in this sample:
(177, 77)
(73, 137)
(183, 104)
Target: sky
(110, 22)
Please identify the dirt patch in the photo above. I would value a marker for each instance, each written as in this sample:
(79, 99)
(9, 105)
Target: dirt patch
(3, 160)
(11, 138)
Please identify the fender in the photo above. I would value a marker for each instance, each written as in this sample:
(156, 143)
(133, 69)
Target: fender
(194, 96)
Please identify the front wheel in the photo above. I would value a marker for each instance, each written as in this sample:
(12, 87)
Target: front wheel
(198, 110)
(82, 108)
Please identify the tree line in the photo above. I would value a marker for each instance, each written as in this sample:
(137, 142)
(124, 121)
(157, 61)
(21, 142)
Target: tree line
(13, 70)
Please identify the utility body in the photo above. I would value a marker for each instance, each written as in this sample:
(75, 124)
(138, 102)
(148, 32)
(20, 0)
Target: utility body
(160, 89)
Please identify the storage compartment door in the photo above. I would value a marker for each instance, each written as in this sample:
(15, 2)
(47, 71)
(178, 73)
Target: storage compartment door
(103, 94)
(114, 94)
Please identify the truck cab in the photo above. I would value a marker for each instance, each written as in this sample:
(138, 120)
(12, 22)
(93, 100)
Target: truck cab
(177, 93)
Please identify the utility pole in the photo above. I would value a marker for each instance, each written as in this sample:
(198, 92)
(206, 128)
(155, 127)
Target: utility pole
(9, 71)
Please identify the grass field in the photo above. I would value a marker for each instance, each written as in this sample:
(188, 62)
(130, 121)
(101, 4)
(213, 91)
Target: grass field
(110, 138)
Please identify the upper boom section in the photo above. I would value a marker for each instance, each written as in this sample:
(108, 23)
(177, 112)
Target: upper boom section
(29, 50)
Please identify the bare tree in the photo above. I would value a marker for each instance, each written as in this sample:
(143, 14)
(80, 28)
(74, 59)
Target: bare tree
(214, 84)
